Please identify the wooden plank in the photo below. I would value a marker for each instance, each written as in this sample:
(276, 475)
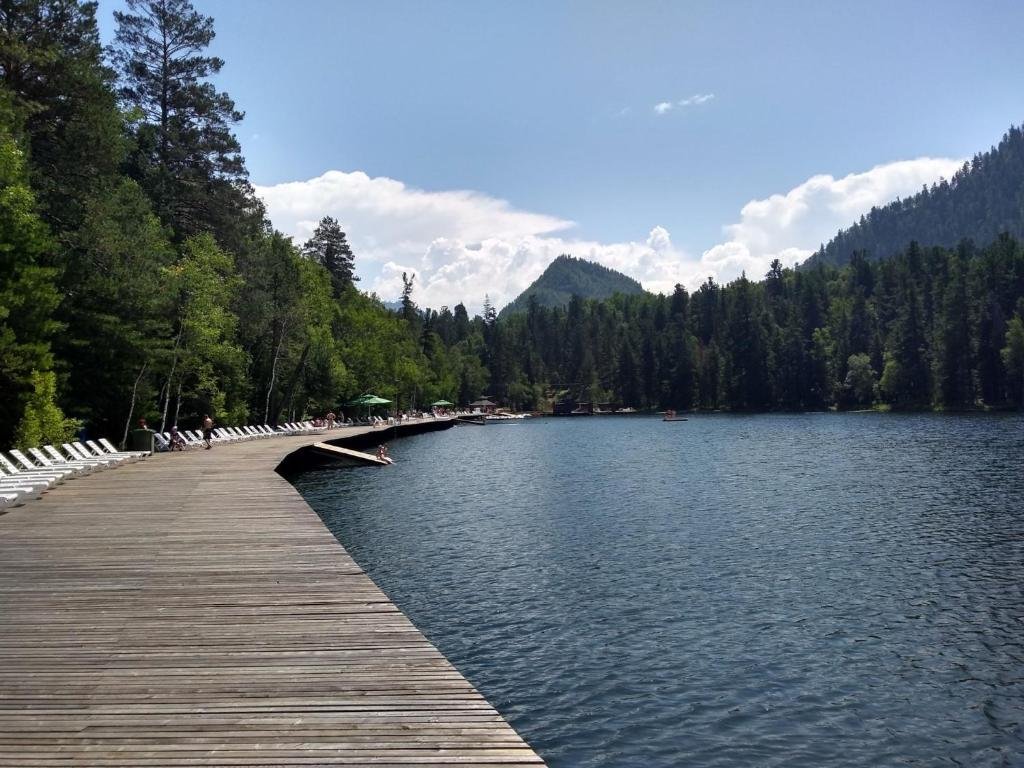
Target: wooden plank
(192, 610)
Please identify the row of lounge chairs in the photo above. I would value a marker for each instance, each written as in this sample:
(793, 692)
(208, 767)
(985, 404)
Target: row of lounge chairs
(25, 477)
(194, 438)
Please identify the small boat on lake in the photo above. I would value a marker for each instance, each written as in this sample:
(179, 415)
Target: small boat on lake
(670, 415)
(505, 416)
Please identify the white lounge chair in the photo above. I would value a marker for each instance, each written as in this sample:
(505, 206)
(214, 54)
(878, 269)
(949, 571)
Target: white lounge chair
(73, 457)
(80, 451)
(9, 499)
(57, 475)
(99, 452)
(22, 493)
(53, 459)
(24, 461)
(37, 483)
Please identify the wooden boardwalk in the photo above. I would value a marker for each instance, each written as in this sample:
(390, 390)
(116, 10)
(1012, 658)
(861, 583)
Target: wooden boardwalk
(191, 610)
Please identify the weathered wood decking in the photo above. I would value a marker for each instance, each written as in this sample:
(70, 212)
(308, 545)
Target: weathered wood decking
(192, 610)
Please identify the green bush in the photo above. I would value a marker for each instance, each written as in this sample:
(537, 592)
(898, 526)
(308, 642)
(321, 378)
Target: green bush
(43, 421)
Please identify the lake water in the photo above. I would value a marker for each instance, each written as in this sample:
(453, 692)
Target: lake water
(780, 590)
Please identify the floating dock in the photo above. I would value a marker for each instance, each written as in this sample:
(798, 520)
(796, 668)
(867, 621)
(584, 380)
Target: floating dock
(193, 610)
(346, 456)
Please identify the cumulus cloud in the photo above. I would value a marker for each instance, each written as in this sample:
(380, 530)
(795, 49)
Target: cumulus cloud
(664, 107)
(390, 220)
(792, 225)
(463, 244)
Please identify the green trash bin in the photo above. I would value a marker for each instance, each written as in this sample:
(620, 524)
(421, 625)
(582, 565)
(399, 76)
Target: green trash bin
(140, 440)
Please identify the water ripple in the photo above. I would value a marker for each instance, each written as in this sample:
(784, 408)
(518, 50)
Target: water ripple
(840, 590)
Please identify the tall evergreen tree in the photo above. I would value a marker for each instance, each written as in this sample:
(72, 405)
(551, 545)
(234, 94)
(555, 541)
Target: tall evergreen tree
(187, 157)
(329, 248)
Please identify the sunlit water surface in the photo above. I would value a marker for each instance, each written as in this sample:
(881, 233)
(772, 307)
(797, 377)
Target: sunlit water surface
(786, 590)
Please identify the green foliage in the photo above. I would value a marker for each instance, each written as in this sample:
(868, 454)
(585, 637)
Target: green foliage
(1013, 354)
(28, 291)
(62, 95)
(860, 383)
(43, 422)
(207, 366)
(118, 290)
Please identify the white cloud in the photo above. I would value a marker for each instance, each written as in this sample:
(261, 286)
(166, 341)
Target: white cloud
(696, 99)
(664, 107)
(463, 244)
(791, 226)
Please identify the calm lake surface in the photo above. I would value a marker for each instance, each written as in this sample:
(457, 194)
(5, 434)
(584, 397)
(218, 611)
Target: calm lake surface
(783, 590)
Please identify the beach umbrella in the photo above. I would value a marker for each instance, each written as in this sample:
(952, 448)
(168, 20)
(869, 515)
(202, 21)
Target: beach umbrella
(368, 400)
(441, 404)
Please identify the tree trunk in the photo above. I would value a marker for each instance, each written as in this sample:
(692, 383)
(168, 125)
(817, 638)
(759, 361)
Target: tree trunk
(167, 385)
(131, 410)
(295, 379)
(177, 404)
(273, 376)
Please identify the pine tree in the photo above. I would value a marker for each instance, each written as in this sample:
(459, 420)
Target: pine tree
(953, 354)
(409, 311)
(329, 248)
(186, 158)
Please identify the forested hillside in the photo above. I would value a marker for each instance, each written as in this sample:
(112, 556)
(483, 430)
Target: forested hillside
(566, 277)
(930, 327)
(983, 199)
(139, 276)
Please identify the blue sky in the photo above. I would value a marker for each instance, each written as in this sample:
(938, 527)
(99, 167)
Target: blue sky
(491, 135)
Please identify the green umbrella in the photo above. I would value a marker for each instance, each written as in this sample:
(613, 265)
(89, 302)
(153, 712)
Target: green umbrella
(441, 404)
(369, 400)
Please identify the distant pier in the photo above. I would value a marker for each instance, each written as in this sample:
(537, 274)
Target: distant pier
(192, 610)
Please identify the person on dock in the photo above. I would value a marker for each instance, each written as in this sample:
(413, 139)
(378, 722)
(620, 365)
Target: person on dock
(177, 441)
(208, 431)
(331, 418)
(382, 454)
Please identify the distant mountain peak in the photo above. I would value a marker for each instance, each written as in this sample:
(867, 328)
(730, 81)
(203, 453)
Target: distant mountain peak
(568, 276)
